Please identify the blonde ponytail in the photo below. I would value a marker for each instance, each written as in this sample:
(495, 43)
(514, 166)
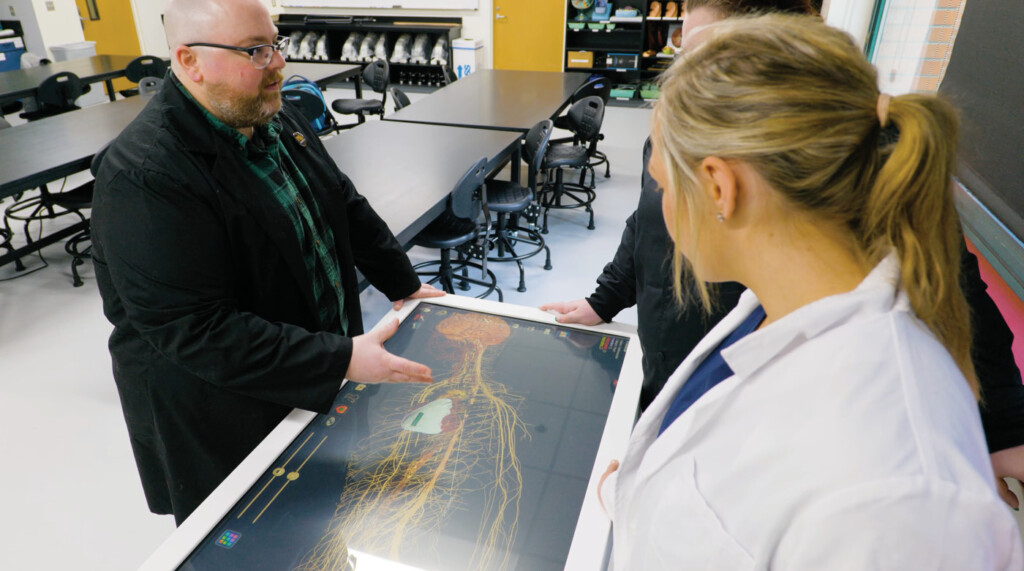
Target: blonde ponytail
(910, 211)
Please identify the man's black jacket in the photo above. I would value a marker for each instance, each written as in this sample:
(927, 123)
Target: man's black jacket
(216, 332)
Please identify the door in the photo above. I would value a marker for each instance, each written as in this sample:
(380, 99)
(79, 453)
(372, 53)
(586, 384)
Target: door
(111, 24)
(528, 34)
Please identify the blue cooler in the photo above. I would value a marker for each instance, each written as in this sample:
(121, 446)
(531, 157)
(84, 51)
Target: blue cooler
(10, 53)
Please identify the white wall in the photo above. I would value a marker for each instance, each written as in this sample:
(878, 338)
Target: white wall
(853, 16)
(42, 27)
(152, 40)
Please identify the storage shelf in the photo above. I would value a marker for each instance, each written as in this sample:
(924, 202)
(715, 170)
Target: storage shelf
(615, 69)
(337, 29)
(631, 35)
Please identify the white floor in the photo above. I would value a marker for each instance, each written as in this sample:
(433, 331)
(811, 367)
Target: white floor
(70, 496)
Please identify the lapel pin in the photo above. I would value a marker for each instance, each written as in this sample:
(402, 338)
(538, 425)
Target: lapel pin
(299, 139)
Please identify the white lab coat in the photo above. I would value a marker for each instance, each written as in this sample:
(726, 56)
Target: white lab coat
(846, 439)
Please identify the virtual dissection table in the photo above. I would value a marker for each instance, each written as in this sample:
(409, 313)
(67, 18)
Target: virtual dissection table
(492, 466)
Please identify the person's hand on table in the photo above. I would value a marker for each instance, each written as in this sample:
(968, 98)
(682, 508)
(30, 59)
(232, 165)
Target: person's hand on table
(1008, 463)
(371, 362)
(426, 290)
(576, 311)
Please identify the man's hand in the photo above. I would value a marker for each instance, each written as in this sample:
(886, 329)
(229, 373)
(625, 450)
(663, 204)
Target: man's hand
(426, 290)
(1008, 463)
(371, 363)
(577, 311)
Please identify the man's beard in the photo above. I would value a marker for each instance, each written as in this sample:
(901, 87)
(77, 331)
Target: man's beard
(239, 112)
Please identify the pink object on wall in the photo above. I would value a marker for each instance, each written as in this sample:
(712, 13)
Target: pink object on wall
(1008, 303)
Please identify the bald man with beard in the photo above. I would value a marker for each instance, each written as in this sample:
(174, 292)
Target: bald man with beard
(225, 241)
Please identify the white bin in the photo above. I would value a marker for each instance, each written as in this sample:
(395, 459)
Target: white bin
(80, 50)
(467, 56)
(77, 50)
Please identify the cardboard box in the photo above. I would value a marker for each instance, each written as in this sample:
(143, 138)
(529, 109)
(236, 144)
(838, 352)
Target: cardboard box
(580, 59)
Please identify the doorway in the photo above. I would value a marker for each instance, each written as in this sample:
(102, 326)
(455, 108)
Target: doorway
(528, 34)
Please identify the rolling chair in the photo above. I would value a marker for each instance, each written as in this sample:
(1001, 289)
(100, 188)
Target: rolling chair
(513, 202)
(602, 88)
(28, 103)
(376, 75)
(457, 228)
(49, 206)
(143, 67)
(56, 95)
(399, 98)
(585, 118)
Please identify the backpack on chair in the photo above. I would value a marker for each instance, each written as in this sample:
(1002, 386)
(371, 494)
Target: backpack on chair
(307, 96)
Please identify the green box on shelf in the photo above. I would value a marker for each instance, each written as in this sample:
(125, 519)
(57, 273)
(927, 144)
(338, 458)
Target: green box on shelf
(626, 91)
(650, 91)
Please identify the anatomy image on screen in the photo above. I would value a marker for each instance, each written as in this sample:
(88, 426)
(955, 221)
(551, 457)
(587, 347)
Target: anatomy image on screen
(407, 476)
(484, 468)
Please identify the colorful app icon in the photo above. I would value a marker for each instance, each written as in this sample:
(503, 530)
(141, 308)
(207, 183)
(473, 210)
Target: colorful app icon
(228, 539)
(341, 409)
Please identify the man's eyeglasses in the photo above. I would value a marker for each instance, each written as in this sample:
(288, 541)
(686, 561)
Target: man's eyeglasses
(260, 55)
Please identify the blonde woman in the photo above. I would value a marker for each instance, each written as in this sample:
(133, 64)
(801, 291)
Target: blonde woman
(830, 420)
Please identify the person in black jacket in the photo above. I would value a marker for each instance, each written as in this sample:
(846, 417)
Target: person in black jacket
(225, 241)
(641, 274)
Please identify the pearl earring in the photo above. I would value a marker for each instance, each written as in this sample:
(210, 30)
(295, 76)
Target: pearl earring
(721, 217)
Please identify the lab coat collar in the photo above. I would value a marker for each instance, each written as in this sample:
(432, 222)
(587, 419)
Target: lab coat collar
(877, 293)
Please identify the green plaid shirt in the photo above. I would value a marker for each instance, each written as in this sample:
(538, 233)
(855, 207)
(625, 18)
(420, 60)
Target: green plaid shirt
(268, 159)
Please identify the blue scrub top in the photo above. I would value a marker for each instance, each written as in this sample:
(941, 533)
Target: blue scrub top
(712, 370)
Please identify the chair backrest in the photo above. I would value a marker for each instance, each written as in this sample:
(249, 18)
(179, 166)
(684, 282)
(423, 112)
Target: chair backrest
(399, 98)
(145, 66)
(376, 75)
(60, 90)
(150, 85)
(535, 146)
(599, 86)
(585, 118)
(465, 201)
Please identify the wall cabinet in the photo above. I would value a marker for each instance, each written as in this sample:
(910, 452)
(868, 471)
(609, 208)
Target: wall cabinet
(415, 47)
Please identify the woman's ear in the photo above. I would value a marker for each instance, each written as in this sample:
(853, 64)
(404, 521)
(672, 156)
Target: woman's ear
(721, 184)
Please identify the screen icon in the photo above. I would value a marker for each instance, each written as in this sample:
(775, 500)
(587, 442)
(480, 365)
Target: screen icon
(228, 539)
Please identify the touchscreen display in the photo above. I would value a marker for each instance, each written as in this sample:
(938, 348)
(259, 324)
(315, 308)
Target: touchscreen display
(485, 468)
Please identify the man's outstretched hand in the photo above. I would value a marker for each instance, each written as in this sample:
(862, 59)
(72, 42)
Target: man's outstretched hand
(371, 362)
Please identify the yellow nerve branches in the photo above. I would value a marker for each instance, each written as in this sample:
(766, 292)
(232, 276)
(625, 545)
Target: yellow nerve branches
(412, 470)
